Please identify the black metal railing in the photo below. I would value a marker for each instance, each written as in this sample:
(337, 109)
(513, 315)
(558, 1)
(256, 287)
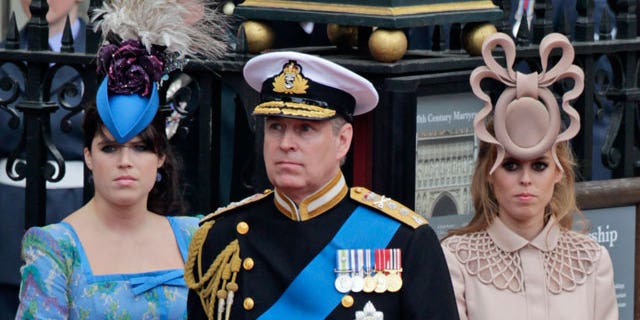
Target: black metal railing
(30, 105)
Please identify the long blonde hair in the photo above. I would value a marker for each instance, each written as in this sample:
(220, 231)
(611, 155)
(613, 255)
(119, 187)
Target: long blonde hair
(562, 205)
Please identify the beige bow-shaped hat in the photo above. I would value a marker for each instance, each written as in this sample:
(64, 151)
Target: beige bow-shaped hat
(526, 117)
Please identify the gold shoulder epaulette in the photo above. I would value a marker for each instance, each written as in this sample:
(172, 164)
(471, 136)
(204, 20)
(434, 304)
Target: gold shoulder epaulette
(233, 205)
(388, 206)
(218, 282)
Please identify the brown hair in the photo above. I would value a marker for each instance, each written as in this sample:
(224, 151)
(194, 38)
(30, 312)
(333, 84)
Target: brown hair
(165, 197)
(562, 205)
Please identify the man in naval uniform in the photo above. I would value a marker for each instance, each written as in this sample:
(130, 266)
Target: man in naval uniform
(314, 248)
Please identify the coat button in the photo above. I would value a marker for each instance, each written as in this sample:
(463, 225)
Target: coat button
(247, 264)
(242, 227)
(248, 303)
(347, 301)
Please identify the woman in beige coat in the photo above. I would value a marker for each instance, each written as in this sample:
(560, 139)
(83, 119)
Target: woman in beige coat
(518, 257)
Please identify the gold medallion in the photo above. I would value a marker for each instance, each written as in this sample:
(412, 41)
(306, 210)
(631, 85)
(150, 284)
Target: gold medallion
(394, 281)
(369, 284)
(381, 282)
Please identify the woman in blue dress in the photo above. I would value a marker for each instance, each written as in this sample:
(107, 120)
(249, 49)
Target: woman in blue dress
(117, 257)
(121, 256)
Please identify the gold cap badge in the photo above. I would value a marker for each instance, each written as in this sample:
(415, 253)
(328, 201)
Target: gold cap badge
(290, 80)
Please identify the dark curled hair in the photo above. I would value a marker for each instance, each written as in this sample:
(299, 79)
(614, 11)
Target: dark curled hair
(166, 197)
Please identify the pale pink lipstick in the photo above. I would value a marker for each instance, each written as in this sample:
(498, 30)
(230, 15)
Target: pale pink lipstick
(125, 180)
(525, 196)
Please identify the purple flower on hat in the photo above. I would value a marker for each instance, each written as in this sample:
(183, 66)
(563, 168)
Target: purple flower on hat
(130, 68)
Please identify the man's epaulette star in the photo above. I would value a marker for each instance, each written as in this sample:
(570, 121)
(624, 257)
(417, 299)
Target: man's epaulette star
(233, 205)
(388, 206)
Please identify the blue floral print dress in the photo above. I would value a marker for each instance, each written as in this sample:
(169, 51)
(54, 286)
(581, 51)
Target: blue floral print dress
(57, 281)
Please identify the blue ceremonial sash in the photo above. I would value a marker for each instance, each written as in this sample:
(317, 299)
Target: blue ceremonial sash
(312, 294)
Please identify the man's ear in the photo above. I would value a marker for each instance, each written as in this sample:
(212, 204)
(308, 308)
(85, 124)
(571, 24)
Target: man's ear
(344, 140)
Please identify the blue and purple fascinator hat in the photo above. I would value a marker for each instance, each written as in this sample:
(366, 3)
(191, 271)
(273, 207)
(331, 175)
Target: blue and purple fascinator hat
(127, 99)
(144, 40)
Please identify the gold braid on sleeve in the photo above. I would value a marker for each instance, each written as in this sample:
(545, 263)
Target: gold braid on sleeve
(219, 281)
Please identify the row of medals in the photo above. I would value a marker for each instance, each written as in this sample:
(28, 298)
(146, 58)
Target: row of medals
(355, 274)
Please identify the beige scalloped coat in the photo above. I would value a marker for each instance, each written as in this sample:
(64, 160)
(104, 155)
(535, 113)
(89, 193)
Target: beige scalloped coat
(497, 274)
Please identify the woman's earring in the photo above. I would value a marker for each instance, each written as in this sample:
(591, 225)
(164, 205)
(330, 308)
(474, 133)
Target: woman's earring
(158, 177)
